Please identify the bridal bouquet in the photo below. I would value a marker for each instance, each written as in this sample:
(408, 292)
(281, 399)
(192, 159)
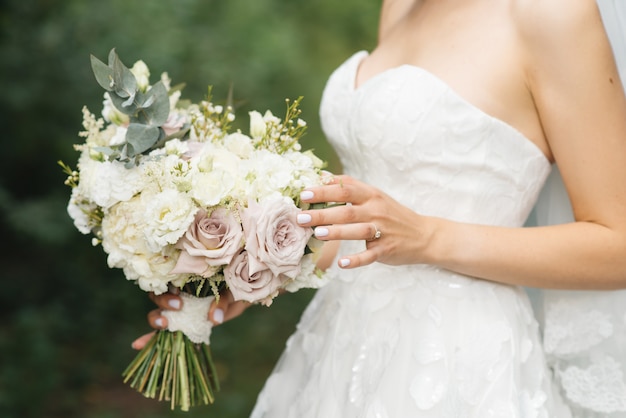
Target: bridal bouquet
(178, 199)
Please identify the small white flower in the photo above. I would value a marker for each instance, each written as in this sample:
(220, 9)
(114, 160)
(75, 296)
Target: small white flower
(142, 74)
(258, 128)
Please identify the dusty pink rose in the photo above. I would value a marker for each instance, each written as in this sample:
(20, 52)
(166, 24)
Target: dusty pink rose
(251, 281)
(209, 242)
(274, 237)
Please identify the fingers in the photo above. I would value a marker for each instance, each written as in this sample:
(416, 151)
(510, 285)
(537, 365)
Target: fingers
(358, 260)
(226, 309)
(341, 189)
(140, 342)
(156, 319)
(359, 231)
(218, 310)
(167, 301)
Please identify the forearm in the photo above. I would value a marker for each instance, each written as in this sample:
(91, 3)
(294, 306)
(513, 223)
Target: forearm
(580, 255)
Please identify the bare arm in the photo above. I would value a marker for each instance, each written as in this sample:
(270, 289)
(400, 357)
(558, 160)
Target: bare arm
(581, 104)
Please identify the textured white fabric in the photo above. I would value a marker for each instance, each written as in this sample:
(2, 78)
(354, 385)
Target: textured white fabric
(417, 341)
(192, 319)
(585, 332)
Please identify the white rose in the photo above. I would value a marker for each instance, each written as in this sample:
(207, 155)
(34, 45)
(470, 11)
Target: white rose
(216, 174)
(239, 144)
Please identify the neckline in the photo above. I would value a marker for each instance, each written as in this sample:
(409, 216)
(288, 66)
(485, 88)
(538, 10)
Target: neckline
(358, 57)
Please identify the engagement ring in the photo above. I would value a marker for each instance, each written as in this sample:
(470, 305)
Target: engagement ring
(377, 233)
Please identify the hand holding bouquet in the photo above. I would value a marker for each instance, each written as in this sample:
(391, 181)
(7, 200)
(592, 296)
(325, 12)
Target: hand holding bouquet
(178, 199)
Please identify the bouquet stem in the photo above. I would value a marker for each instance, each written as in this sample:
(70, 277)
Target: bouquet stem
(173, 368)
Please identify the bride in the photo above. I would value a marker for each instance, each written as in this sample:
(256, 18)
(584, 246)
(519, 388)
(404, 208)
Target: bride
(447, 132)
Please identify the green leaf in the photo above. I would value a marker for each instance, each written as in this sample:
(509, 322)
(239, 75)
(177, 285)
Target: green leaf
(103, 73)
(140, 138)
(119, 103)
(124, 80)
(154, 105)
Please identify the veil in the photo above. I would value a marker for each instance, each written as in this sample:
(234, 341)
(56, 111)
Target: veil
(584, 332)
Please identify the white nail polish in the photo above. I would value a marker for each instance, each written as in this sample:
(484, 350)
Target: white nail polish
(344, 262)
(321, 231)
(303, 218)
(159, 322)
(306, 195)
(174, 303)
(218, 316)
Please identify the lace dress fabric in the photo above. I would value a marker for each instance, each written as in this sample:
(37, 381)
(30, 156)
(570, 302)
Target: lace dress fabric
(419, 341)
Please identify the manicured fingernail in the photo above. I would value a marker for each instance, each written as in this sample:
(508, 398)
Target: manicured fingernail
(218, 316)
(174, 303)
(159, 322)
(303, 218)
(306, 195)
(321, 231)
(344, 262)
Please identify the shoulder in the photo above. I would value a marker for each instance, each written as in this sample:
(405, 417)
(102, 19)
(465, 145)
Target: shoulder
(545, 24)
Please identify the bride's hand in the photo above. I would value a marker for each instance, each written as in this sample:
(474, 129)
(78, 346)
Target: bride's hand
(394, 234)
(219, 312)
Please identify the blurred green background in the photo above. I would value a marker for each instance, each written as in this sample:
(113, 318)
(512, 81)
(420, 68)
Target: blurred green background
(66, 319)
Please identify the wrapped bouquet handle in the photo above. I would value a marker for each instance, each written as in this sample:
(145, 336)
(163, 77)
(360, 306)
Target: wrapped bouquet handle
(176, 364)
(192, 319)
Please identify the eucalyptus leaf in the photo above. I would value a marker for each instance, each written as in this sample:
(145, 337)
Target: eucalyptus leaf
(103, 73)
(140, 138)
(118, 102)
(125, 81)
(155, 105)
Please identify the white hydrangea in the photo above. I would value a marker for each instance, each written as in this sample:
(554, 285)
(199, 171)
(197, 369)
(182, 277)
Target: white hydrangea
(124, 240)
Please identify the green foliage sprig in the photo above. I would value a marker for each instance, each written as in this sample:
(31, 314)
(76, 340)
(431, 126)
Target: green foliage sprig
(147, 110)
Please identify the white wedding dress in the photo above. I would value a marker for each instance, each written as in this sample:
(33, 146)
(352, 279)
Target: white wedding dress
(418, 341)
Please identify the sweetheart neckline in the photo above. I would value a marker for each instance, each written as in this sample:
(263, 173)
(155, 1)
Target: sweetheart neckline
(358, 57)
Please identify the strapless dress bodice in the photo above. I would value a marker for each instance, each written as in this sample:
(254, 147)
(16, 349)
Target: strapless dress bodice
(408, 133)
